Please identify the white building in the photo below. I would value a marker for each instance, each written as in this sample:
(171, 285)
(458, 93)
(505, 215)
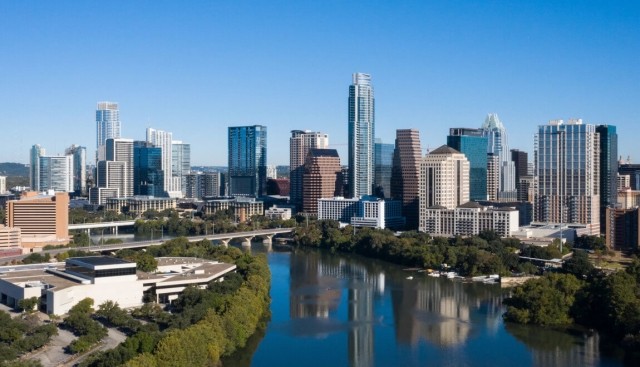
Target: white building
(107, 126)
(3, 184)
(164, 140)
(469, 219)
(56, 173)
(367, 211)
(278, 213)
(361, 117)
(181, 164)
(60, 286)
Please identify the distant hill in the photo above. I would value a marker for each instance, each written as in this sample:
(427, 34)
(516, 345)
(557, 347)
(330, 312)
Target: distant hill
(14, 169)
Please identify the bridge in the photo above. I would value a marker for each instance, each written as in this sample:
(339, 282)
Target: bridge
(89, 226)
(223, 238)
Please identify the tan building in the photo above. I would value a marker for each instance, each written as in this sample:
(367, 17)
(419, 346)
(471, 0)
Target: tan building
(628, 199)
(139, 204)
(493, 176)
(243, 207)
(322, 178)
(405, 174)
(42, 219)
(10, 241)
(300, 143)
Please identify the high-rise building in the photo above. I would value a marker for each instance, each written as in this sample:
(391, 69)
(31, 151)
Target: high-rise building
(473, 144)
(114, 174)
(163, 140)
(79, 168)
(622, 228)
(34, 166)
(181, 164)
(199, 185)
(405, 175)
(633, 171)
(42, 219)
(567, 157)
(148, 177)
(3, 184)
(497, 144)
(300, 143)
(247, 160)
(361, 135)
(608, 169)
(493, 176)
(383, 167)
(56, 173)
(121, 150)
(444, 179)
(321, 178)
(107, 126)
(520, 160)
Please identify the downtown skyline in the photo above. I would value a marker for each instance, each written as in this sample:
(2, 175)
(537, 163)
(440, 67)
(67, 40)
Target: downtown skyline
(192, 70)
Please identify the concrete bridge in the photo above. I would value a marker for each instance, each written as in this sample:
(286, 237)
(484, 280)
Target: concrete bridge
(89, 226)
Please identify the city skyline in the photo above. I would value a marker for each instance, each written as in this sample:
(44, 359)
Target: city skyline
(186, 70)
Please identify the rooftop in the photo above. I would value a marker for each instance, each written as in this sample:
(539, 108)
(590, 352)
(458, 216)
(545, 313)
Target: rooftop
(100, 260)
(445, 149)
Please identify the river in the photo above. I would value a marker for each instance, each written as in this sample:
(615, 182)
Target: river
(342, 310)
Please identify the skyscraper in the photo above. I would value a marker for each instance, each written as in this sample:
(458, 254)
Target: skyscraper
(567, 157)
(79, 168)
(300, 143)
(444, 180)
(148, 178)
(498, 144)
(321, 178)
(383, 167)
(34, 166)
(107, 125)
(116, 171)
(405, 174)
(473, 144)
(361, 135)
(608, 169)
(56, 173)
(493, 176)
(520, 160)
(181, 164)
(247, 160)
(163, 140)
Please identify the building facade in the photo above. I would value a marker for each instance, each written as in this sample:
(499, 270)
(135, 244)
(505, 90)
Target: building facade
(473, 144)
(3, 184)
(361, 107)
(608, 168)
(139, 204)
(148, 177)
(497, 143)
(383, 169)
(164, 140)
(34, 166)
(243, 208)
(180, 164)
(469, 219)
(621, 228)
(367, 211)
(42, 219)
(321, 178)
(405, 175)
(567, 157)
(107, 126)
(56, 173)
(201, 184)
(247, 157)
(520, 161)
(493, 176)
(79, 169)
(300, 143)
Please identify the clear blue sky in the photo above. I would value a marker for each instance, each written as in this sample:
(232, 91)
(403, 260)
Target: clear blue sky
(196, 67)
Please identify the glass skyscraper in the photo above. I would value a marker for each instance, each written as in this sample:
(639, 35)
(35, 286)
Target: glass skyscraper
(473, 144)
(247, 160)
(34, 166)
(181, 164)
(608, 168)
(383, 167)
(361, 135)
(107, 125)
(498, 144)
(148, 176)
(79, 168)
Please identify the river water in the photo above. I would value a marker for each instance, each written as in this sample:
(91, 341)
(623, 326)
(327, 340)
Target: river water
(341, 310)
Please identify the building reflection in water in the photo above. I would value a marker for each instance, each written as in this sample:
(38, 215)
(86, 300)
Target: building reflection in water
(441, 312)
(316, 283)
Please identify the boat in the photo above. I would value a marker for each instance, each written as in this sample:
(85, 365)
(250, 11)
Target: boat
(409, 277)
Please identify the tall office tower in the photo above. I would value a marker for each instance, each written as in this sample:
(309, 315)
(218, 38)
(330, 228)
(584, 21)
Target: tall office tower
(247, 160)
(120, 150)
(79, 168)
(361, 135)
(405, 174)
(3, 184)
(473, 144)
(493, 176)
(148, 178)
(321, 178)
(520, 160)
(608, 169)
(444, 180)
(163, 140)
(56, 173)
(107, 126)
(34, 166)
(181, 164)
(498, 144)
(567, 157)
(300, 142)
(383, 167)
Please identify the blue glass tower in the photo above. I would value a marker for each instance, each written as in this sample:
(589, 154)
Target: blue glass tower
(147, 172)
(383, 167)
(608, 169)
(473, 144)
(361, 135)
(247, 160)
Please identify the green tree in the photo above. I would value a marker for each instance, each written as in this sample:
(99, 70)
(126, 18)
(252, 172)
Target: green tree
(28, 304)
(578, 265)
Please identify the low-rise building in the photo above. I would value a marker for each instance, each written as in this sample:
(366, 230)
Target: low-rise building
(243, 207)
(469, 219)
(10, 241)
(368, 211)
(140, 204)
(60, 286)
(278, 213)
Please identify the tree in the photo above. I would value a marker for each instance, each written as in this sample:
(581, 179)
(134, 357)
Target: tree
(578, 265)
(28, 304)
(81, 239)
